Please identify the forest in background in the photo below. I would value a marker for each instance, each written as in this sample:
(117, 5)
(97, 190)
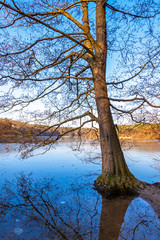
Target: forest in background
(15, 131)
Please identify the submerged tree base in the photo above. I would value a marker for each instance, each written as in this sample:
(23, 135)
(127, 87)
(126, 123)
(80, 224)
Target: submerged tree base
(112, 185)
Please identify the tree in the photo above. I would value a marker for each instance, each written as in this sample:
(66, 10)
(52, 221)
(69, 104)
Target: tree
(56, 57)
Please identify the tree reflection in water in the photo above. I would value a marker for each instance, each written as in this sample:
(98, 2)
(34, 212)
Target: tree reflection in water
(112, 217)
(32, 209)
(128, 218)
(40, 210)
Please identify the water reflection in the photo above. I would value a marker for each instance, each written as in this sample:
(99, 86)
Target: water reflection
(40, 209)
(143, 160)
(31, 209)
(140, 222)
(38, 206)
(142, 146)
(128, 218)
(112, 217)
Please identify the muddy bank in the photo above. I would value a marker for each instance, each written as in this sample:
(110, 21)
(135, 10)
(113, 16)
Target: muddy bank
(151, 193)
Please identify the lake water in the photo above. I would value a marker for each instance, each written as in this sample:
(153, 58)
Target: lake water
(51, 196)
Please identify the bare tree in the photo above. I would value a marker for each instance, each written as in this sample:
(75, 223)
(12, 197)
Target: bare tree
(55, 57)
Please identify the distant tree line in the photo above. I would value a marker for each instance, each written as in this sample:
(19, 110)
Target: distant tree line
(15, 131)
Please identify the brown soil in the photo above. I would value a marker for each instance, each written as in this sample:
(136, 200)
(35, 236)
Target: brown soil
(151, 193)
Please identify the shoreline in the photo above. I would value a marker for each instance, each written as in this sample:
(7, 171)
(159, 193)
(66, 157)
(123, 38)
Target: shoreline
(151, 193)
(122, 140)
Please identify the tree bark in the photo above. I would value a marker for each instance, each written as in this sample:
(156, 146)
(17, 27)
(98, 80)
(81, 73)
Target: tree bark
(116, 177)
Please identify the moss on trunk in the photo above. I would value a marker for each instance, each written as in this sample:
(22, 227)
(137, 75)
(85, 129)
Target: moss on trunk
(112, 185)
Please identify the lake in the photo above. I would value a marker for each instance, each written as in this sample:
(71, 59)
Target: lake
(51, 196)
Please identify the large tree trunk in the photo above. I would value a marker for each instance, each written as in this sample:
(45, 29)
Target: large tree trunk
(116, 177)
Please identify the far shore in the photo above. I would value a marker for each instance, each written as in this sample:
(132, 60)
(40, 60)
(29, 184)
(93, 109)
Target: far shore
(13, 139)
(15, 131)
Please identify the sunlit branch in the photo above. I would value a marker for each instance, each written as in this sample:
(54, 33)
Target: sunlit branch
(61, 12)
(48, 26)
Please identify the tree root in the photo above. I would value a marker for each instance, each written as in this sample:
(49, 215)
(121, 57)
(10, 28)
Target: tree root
(112, 185)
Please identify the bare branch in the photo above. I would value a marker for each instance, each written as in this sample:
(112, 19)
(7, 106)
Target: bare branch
(130, 14)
